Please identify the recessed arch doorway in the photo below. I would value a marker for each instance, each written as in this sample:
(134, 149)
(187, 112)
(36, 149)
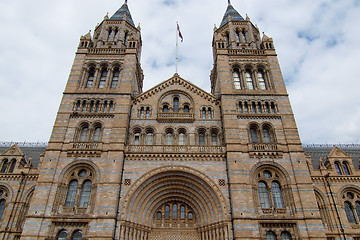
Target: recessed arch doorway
(175, 203)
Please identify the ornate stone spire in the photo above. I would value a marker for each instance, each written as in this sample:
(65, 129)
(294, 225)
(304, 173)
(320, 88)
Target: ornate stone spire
(123, 14)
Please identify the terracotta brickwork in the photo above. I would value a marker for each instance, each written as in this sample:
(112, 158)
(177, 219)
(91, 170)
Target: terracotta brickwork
(176, 162)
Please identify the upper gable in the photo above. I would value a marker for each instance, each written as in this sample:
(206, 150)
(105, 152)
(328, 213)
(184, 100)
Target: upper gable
(337, 153)
(12, 151)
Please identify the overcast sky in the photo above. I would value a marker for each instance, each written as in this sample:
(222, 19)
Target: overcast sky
(317, 42)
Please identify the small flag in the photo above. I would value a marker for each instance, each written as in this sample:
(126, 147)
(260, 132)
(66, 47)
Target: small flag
(180, 35)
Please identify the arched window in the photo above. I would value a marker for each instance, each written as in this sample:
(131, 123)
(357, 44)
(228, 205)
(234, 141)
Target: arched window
(277, 195)
(209, 113)
(201, 138)
(115, 79)
(182, 212)
(204, 113)
(78, 104)
(181, 138)
(337, 167)
(84, 134)
(111, 106)
(254, 134)
(149, 137)
(147, 113)
(263, 195)
(349, 212)
(346, 168)
(103, 78)
(266, 134)
(240, 107)
(267, 107)
(142, 112)
(85, 194)
(176, 104)
(186, 108)
(174, 211)
(248, 80)
(2, 207)
(169, 138)
(285, 235)
(270, 235)
(167, 211)
(357, 207)
(97, 106)
(62, 235)
(190, 216)
(214, 138)
(236, 77)
(246, 107)
(90, 80)
(77, 235)
(261, 80)
(254, 108)
(12, 166)
(165, 108)
(158, 215)
(137, 137)
(91, 106)
(273, 109)
(71, 194)
(97, 134)
(4, 165)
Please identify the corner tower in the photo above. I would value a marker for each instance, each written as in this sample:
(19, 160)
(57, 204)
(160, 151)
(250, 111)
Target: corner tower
(80, 175)
(269, 182)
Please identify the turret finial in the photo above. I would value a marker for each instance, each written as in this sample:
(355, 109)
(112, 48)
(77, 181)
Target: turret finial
(229, 2)
(126, 1)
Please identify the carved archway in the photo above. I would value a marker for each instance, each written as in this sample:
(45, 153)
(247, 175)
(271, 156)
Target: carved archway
(174, 201)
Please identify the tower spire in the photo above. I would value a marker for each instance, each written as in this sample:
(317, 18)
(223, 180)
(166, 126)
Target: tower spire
(228, 2)
(123, 14)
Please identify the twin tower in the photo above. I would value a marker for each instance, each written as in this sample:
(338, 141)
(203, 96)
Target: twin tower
(174, 162)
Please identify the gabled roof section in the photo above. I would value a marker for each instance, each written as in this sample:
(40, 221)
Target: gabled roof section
(123, 14)
(231, 14)
(337, 153)
(173, 81)
(14, 150)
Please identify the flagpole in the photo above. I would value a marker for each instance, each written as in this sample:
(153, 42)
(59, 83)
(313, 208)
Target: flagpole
(177, 46)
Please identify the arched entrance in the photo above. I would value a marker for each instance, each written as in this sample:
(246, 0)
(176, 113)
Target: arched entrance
(174, 203)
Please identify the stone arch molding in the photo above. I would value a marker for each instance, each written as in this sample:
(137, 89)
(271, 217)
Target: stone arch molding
(174, 183)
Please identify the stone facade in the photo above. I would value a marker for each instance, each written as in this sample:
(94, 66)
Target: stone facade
(176, 162)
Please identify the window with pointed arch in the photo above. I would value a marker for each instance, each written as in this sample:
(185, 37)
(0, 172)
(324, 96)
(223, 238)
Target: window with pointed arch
(351, 200)
(91, 78)
(115, 78)
(248, 80)
(4, 165)
(236, 78)
(79, 191)
(342, 168)
(3, 200)
(12, 165)
(261, 79)
(271, 190)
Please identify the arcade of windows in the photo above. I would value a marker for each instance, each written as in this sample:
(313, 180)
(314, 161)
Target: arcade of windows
(342, 168)
(175, 107)
(261, 134)
(94, 105)
(7, 166)
(179, 137)
(207, 113)
(352, 206)
(257, 107)
(249, 79)
(101, 76)
(145, 112)
(174, 212)
(89, 133)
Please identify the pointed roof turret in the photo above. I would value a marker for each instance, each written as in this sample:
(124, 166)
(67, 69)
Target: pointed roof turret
(123, 14)
(232, 14)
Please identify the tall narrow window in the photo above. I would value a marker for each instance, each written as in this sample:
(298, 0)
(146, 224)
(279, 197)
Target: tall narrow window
(277, 195)
(90, 80)
(174, 211)
(165, 108)
(111, 106)
(204, 113)
(78, 104)
(85, 194)
(149, 138)
(209, 113)
(97, 134)
(337, 167)
(105, 106)
(115, 79)
(181, 138)
(214, 139)
(240, 107)
(263, 195)
(4, 166)
(246, 107)
(84, 134)
(109, 34)
(236, 77)
(136, 138)
(12, 166)
(182, 212)
(248, 80)
(142, 112)
(259, 107)
(103, 78)
(91, 106)
(186, 109)
(267, 107)
(201, 139)
(167, 211)
(190, 216)
(357, 207)
(273, 110)
(261, 80)
(2, 207)
(169, 138)
(253, 135)
(254, 109)
(147, 112)
(158, 215)
(71, 194)
(97, 106)
(266, 134)
(83, 107)
(176, 104)
(77, 235)
(349, 212)
(62, 235)
(125, 37)
(346, 168)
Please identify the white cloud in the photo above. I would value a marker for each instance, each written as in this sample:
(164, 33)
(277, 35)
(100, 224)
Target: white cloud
(39, 39)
